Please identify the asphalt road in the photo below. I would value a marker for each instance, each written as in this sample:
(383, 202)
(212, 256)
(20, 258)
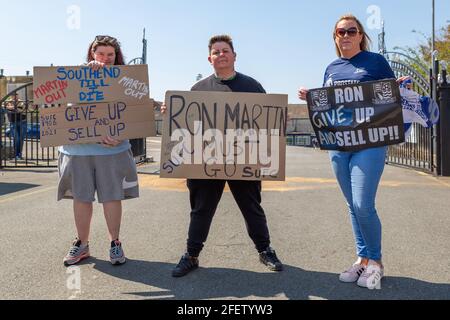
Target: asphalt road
(309, 226)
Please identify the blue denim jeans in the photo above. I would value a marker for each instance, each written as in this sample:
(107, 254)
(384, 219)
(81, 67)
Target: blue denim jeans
(18, 132)
(358, 174)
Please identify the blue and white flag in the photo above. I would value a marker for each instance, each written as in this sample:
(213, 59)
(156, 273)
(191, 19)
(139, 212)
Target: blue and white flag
(418, 109)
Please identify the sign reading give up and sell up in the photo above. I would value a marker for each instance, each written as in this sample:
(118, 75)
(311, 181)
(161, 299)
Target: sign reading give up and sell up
(87, 104)
(357, 116)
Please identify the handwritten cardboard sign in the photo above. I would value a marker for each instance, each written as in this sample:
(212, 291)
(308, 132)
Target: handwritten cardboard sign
(224, 135)
(87, 123)
(82, 84)
(357, 116)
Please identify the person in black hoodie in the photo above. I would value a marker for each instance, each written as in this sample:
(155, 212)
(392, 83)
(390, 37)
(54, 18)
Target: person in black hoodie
(205, 194)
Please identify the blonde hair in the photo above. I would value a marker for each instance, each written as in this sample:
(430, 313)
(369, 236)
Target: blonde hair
(365, 42)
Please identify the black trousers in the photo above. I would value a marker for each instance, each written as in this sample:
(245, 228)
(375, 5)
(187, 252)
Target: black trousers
(205, 196)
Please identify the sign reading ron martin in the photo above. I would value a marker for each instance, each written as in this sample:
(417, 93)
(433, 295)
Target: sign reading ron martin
(357, 116)
(224, 135)
(82, 84)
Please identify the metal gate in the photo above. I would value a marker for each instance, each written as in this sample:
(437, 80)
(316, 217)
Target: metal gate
(19, 132)
(418, 150)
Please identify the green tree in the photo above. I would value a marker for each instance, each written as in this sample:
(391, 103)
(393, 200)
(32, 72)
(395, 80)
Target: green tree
(422, 52)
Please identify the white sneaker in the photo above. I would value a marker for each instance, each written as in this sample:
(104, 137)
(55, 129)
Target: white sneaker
(371, 277)
(353, 273)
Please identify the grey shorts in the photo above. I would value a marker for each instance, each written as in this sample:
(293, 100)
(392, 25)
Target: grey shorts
(114, 177)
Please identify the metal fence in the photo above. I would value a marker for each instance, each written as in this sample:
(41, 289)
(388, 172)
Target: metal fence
(19, 132)
(417, 151)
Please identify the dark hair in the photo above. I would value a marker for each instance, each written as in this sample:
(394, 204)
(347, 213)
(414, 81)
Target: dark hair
(365, 42)
(221, 38)
(106, 41)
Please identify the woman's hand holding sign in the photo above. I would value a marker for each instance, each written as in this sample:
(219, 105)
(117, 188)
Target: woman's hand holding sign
(302, 93)
(110, 142)
(96, 65)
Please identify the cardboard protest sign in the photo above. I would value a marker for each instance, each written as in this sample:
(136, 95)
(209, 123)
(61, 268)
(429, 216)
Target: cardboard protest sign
(87, 123)
(357, 116)
(224, 135)
(81, 84)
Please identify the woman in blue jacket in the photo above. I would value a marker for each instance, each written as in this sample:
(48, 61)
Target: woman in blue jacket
(358, 173)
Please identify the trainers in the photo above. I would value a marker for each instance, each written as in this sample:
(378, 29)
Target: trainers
(77, 252)
(270, 259)
(371, 277)
(186, 265)
(116, 255)
(353, 273)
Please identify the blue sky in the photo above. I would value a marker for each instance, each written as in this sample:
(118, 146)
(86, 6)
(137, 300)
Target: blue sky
(283, 44)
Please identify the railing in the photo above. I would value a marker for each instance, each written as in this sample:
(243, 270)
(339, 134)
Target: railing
(19, 133)
(417, 152)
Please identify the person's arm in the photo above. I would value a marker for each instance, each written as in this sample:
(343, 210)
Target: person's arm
(389, 73)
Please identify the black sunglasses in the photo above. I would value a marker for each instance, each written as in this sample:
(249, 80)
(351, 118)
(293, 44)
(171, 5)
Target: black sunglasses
(341, 32)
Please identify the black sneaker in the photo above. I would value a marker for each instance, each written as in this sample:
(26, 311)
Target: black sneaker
(269, 258)
(186, 265)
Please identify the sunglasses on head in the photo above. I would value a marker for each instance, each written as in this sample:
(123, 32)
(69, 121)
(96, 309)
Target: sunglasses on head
(341, 32)
(105, 39)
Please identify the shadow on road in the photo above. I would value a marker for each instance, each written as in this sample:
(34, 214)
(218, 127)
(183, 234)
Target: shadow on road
(11, 187)
(292, 283)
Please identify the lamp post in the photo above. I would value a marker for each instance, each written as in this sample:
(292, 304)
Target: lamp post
(144, 49)
(434, 53)
(432, 26)
(143, 58)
